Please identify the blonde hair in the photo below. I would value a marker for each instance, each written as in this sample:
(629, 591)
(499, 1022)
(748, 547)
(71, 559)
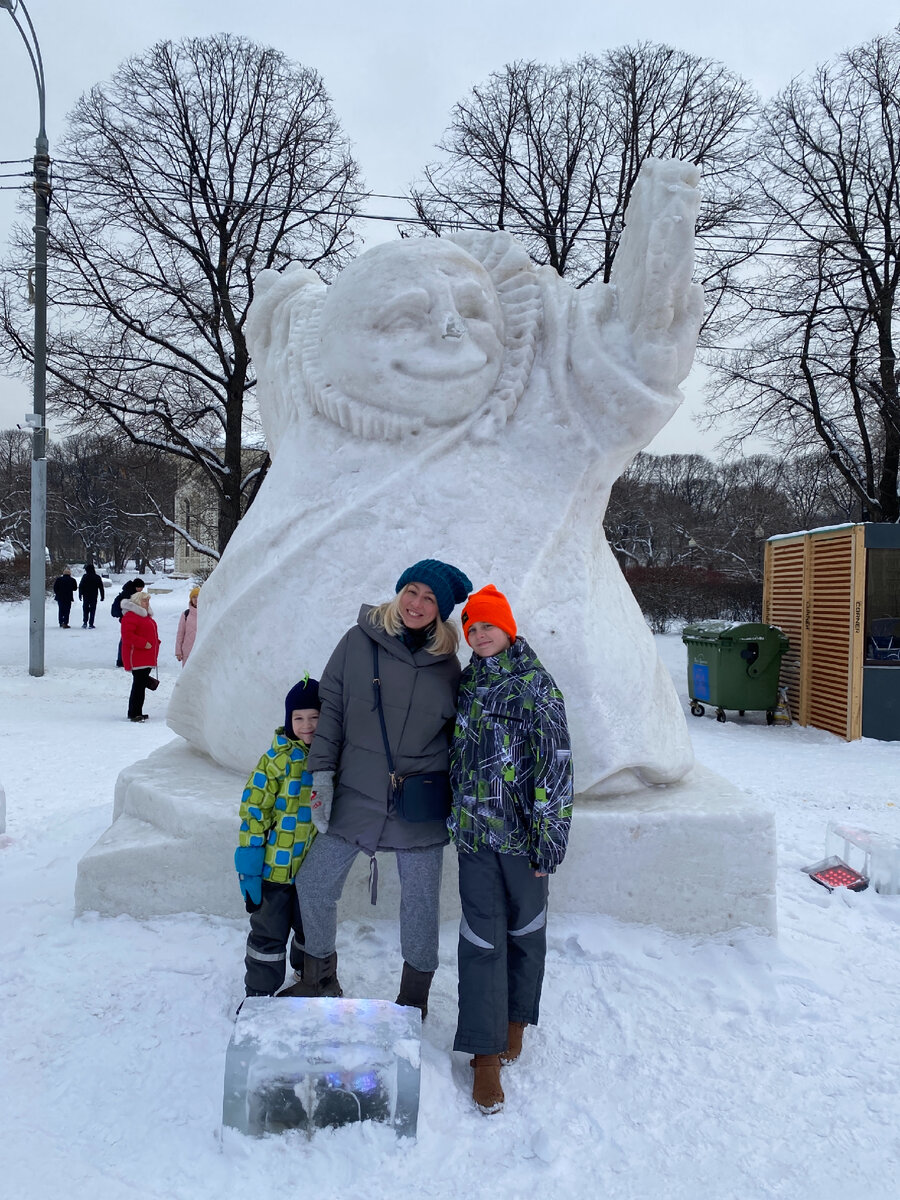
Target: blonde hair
(444, 639)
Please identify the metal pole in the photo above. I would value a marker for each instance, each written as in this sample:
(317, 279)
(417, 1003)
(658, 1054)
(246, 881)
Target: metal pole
(38, 563)
(38, 534)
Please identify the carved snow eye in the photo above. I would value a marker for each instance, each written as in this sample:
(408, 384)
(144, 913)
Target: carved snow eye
(409, 310)
(471, 303)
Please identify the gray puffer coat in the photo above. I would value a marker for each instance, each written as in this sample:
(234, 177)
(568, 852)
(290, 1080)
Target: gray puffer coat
(418, 695)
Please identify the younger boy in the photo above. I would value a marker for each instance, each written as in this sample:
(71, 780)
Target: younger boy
(511, 776)
(276, 832)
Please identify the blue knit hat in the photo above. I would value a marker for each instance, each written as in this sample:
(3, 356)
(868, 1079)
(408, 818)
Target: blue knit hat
(449, 584)
(304, 694)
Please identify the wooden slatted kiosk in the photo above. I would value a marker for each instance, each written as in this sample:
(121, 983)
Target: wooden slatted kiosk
(835, 592)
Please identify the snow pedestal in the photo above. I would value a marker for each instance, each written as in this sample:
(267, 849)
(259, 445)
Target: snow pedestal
(695, 857)
(315, 1064)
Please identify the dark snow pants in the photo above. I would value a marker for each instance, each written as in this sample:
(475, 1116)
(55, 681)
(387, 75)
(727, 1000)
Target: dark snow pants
(502, 946)
(270, 927)
(89, 610)
(321, 879)
(65, 607)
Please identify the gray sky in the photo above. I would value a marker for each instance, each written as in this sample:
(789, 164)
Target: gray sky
(394, 69)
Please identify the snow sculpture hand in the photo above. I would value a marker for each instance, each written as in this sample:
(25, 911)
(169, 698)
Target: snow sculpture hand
(633, 340)
(321, 799)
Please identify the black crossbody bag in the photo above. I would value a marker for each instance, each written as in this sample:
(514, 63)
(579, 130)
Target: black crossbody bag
(424, 797)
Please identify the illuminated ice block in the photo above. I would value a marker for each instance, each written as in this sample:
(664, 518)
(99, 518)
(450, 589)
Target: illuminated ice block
(875, 855)
(319, 1063)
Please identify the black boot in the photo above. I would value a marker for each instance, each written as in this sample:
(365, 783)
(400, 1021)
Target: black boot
(414, 988)
(319, 978)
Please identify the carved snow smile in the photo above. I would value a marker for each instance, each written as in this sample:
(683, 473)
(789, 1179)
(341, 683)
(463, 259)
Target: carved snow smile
(454, 361)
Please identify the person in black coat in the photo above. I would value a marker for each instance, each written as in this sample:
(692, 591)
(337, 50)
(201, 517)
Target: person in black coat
(89, 590)
(64, 589)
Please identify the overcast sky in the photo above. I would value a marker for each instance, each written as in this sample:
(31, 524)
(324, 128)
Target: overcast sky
(394, 68)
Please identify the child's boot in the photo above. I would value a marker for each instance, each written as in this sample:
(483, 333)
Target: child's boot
(486, 1091)
(319, 978)
(513, 1042)
(414, 988)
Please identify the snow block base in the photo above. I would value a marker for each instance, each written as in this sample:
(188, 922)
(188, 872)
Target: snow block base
(316, 1064)
(695, 857)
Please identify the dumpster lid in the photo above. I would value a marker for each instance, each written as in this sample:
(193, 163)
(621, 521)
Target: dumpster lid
(731, 631)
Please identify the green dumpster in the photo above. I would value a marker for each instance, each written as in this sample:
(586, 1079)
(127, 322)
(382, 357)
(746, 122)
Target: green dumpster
(733, 665)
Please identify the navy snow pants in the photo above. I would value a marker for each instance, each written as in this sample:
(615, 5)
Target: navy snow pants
(502, 947)
(270, 927)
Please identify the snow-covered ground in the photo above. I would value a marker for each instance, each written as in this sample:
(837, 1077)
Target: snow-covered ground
(745, 1067)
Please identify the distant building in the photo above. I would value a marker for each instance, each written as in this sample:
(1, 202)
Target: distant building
(197, 512)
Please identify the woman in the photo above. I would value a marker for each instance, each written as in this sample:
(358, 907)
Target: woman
(187, 628)
(140, 649)
(410, 648)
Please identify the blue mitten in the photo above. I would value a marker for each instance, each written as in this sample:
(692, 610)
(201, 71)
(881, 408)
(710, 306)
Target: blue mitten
(248, 862)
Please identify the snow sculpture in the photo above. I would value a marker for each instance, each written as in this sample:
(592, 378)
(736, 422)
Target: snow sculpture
(446, 398)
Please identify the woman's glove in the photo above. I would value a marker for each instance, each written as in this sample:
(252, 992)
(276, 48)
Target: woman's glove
(321, 799)
(248, 862)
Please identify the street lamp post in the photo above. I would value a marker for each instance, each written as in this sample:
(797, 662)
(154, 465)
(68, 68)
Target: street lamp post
(37, 418)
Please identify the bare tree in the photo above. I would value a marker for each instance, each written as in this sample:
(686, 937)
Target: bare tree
(552, 154)
(198, 165)
(99, 490)
(818, 368)
(15, 493)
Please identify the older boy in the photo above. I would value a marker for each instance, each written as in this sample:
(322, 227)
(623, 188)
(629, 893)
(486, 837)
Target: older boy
(511, 775)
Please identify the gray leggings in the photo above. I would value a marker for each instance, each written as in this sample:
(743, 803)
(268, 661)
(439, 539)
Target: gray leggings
(321, 879)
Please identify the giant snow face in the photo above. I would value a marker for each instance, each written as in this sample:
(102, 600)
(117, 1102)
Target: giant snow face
(414, 329)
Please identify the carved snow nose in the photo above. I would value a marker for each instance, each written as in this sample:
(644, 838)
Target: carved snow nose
(454, 328)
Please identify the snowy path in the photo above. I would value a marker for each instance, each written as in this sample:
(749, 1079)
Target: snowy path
(745, 1068)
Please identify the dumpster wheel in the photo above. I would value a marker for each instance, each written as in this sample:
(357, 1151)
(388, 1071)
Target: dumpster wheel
(697, 709)
(770, 717)
(720, 715)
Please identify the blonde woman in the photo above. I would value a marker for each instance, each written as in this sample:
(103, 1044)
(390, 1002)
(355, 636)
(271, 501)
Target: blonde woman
(409, 646)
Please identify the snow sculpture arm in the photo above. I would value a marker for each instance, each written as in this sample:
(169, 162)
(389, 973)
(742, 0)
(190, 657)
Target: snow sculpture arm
(631, 342)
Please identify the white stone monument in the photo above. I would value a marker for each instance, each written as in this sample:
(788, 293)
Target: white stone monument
(445, 398)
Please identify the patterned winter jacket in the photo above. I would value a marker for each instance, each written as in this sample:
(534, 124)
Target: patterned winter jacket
(275, 808)
(511, 761)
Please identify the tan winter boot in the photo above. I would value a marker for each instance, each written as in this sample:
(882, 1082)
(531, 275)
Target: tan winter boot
(486, 1091)
(513, 1042)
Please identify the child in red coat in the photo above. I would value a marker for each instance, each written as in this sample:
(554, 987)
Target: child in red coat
(140, 650)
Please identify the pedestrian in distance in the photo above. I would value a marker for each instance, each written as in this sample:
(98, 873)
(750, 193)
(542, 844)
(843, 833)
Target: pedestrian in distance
(128, 590)
(90, 589)
(187, 628)
(276, 832)
(388, 701)
(64, 589)
(140, 650)
(511, 778)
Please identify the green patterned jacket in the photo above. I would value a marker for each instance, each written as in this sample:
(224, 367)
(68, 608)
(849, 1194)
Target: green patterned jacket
(275, 808)
(511, 760)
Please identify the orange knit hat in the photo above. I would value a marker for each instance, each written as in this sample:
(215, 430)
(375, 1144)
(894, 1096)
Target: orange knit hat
(490, 606)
